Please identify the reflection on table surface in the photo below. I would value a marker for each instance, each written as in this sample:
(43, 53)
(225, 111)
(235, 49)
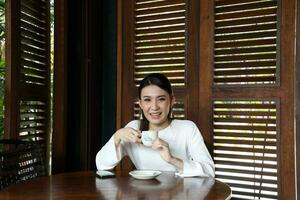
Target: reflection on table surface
(84, 185)
(165, 186)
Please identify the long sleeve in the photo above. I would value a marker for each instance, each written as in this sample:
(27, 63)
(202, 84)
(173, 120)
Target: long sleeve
(199, 162)
(109, 156)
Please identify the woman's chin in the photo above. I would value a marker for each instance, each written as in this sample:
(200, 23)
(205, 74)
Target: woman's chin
(157, 121)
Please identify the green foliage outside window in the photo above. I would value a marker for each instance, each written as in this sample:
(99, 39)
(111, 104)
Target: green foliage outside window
(2, 65)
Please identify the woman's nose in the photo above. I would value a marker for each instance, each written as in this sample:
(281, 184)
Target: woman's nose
(154, 105)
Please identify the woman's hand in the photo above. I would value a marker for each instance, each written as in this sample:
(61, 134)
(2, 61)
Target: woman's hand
(163, 148)
(127, 135)
(164, 151)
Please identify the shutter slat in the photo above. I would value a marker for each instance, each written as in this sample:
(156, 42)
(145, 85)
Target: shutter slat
(246, 186)
(243, 29)
(239, 72)
(32, 71)
(255, 105)
(248, 79)
(32, 64)
(159, 10)
(243, 171)
(253, 20)
(161, 16)
(33, 57)
(33, 35)
(248, 157)
(246, 57)
(160, 43)
(31, 49)
(240, 178)
(248, 142)
(169, 73)
(244, 14)
(244, 6)
(33, 12)
(162, 56)
(245, 50)
(244, 135)
(32, 20)
(33, 121)
(33, 80)
(249, 43)
(228, 2)
(155, 30)
(245, 120)
(33, 136)
(33, 129)
(160, 62)
(159, 68)
(246, 113)
(159, 36)
(245, 164)
(253, 195)
(232, 37)
(160, 23)
(242, 149)
(36, 5)
(39, 31)
(254, 128)
(159, 49)
(245, 64)
(149, 4)
(31, 42)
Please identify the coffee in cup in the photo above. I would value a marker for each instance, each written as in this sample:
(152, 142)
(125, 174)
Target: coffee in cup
(148, 137)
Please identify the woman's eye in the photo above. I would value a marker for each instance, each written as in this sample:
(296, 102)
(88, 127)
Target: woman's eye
(146, 99)
(161, 99)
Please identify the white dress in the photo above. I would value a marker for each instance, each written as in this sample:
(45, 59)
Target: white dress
(185, 142)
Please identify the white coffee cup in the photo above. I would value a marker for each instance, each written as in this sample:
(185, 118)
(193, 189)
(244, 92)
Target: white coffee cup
(148, 137)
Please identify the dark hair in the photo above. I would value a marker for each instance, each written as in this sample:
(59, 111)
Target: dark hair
(159, 80)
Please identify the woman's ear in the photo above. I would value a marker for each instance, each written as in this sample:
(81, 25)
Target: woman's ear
(172, 100)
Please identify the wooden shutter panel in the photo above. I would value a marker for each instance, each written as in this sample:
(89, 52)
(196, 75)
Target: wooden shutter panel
(246, 42)
(159, 41)
(246, 128)
(161, 45)
(245, 146)
(28, 70)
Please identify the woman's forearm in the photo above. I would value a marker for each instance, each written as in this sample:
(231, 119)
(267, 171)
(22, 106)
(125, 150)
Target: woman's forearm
(178, 163)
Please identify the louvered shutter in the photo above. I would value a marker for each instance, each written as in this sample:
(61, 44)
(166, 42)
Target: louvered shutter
(27, 107)
(245, 42)
(160, 43)
(245, 146)
(246, 129)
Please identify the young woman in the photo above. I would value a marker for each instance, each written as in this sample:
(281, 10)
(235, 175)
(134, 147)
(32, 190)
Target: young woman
(179, 146)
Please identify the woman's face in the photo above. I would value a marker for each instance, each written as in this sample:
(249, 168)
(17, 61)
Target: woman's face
(156, 103)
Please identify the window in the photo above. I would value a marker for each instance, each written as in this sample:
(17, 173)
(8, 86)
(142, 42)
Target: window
(246, 128)
(28, 68)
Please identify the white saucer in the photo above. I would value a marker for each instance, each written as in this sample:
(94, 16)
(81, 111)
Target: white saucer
(144, 174)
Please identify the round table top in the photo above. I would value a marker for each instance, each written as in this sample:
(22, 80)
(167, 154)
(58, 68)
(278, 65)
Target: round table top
(85, 185)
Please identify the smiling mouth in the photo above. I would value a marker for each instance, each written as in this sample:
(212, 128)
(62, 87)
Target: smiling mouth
(155, 115)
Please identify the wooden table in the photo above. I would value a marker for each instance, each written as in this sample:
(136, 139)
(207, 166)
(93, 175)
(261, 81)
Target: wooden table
(85, 185)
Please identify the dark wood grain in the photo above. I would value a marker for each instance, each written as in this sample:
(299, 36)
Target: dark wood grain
(85, 185)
